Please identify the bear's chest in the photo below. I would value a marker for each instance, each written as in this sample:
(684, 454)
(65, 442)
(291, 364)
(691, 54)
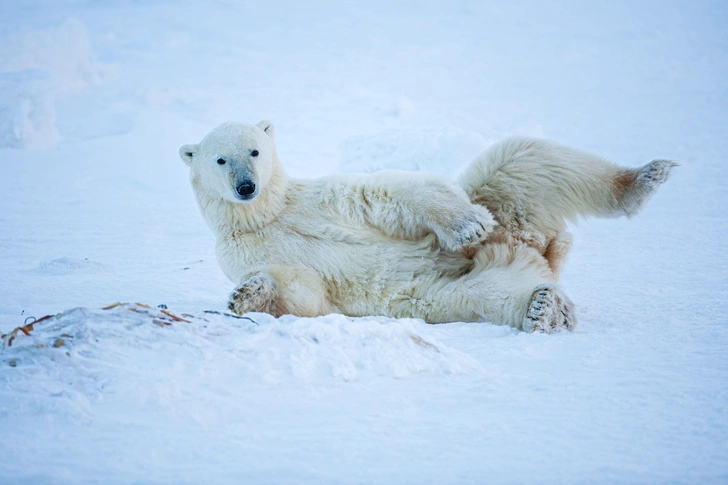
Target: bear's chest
(336, 254)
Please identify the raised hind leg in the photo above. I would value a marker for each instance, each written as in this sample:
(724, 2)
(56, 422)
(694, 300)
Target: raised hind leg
(532, 187)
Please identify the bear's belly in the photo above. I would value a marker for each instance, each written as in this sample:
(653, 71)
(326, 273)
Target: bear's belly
(362, 276)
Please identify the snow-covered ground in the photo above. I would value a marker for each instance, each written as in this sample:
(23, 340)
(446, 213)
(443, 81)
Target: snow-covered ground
(95, 207)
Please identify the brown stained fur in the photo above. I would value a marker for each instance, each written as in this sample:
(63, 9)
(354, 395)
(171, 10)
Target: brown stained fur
(624, 190)
(556, 252)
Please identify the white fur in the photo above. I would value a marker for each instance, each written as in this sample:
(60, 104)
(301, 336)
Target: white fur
(405, 244)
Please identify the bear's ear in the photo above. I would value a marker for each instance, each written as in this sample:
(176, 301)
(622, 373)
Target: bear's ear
(267, 126)
(188, 153)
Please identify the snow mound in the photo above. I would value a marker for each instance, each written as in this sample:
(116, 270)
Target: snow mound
(37, 68)
(82, 355)
(434, 151)
(66, 266)
(27, 110)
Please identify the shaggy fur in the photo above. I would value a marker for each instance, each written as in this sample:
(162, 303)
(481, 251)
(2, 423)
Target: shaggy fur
(407, 244)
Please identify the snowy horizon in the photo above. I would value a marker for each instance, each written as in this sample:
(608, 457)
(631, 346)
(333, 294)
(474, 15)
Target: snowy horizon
(96, 208)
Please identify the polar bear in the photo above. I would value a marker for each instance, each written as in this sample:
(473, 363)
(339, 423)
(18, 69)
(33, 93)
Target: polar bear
(406, 244)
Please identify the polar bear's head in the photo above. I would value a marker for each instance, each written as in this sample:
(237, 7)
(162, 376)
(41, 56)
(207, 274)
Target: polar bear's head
(233, 161)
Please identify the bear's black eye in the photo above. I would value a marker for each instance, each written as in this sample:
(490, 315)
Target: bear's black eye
(220, 161)
(254, 153)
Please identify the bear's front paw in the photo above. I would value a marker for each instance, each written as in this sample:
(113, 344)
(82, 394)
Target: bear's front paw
(257, 294)
(471, 229)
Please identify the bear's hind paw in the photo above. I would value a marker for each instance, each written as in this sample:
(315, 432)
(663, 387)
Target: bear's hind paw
(643, 182)
(549, 311)
(655, 173)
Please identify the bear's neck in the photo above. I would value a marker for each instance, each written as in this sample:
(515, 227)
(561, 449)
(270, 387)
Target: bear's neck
(225, 217)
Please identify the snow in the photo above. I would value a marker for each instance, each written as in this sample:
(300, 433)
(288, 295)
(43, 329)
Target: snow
(95, 207)
(435, 151)
(39, 67)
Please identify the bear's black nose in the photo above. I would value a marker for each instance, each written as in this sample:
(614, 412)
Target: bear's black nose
(246, 188)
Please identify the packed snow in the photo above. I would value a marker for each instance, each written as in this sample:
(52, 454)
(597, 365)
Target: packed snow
(166, 388)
